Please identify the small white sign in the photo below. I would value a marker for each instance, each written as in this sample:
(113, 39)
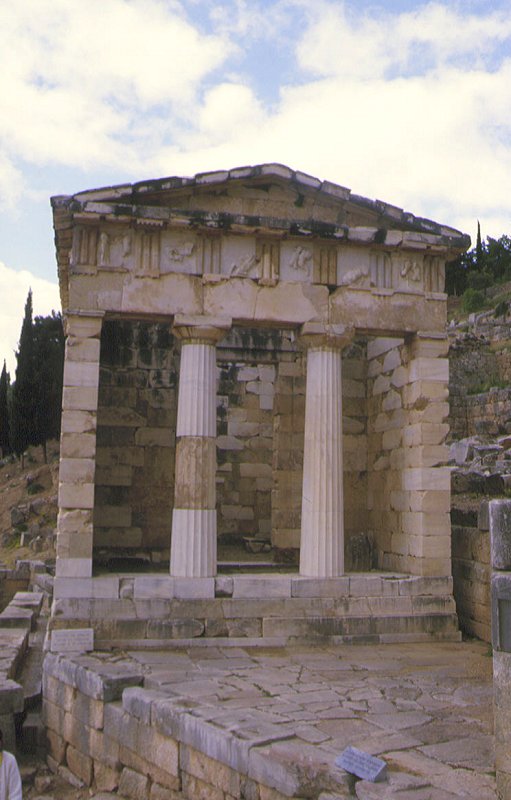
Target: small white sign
(72, 640)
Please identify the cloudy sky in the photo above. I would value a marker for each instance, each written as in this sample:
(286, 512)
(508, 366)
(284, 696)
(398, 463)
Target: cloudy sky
(401, 100)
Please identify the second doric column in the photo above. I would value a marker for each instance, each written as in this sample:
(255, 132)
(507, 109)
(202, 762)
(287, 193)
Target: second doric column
(322, 532)
(193, 547)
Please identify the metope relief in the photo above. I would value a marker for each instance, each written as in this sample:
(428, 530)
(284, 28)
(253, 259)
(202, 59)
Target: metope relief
(261, 263)
(410, 273)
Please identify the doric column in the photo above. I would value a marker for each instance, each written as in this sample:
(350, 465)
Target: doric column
(322, 535)
(78, 445)
(193, 548)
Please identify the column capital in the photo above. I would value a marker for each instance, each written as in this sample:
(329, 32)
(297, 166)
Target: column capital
(325, 336)
(200, 329)
(83, 324)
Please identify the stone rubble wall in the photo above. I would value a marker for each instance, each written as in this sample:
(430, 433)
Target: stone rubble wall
(134, 481)
(472, 572)
(475, 364)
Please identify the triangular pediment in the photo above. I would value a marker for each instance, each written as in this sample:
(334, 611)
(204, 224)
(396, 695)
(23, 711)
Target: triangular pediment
(266, 191)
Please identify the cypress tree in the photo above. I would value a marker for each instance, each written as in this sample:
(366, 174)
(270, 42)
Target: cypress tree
(48, 339)
(24, 399)
(5, 380)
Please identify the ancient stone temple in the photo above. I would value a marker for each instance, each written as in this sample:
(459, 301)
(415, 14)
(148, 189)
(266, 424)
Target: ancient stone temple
(253, 356)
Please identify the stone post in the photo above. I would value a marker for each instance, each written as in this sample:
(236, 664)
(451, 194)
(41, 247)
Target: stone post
(193, 547)
(427, 524)
(78, 445)
(322, 526)
(500, 543)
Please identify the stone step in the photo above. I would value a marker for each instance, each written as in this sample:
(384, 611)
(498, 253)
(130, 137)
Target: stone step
(280, 632)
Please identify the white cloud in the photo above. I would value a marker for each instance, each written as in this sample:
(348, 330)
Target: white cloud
(15, 286)
(77, 78)
(410, 107)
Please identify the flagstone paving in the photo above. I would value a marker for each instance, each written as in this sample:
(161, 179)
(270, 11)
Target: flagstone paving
(427, 709)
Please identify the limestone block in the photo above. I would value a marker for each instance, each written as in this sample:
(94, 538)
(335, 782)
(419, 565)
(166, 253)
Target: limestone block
(133, 784)
(196, 764)
(380, 345)
(75, 545)
(86, 587)
(391, 361)
(435, 412)
(424, 433)
(399, 377)
(391, 439)
(194, 588)
(427, 567)
(81, 374)
(400, 501)
(71, 568)
(256, 470)
(82, 326)
(76, 495)
(435, 345)
(173, 293)
(429, 369)
(426, 524)
(76, 470)
(428, 478)
(113, 456)
(119, 416)
(121, 475)
(427, 546)
(424, 390)
(80, 765)
(391, 401)
(381, 385)
(56, 746)
(172, 718)
(286, 302)
(155, 437)
(78, 445)
(106, 779)
(320, 587)
(431, 501)
(247, 586)
(159, 792)
(500, 534)
(79, 349)
(112, 516)
(78, 422)
(426, 456)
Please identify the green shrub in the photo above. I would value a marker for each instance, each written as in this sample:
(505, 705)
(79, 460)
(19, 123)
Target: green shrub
(35, 488)
(501, 308)
(472, 300)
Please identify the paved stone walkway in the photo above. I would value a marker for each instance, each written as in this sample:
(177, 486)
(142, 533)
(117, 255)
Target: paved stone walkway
(425, 708)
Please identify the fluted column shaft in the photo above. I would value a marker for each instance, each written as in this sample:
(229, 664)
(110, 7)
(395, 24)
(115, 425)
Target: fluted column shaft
(322, 532)
(193, 547)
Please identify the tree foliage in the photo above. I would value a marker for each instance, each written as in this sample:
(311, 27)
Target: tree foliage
(5, 380)
(23, 408)
(487, 263)
(36, 396)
